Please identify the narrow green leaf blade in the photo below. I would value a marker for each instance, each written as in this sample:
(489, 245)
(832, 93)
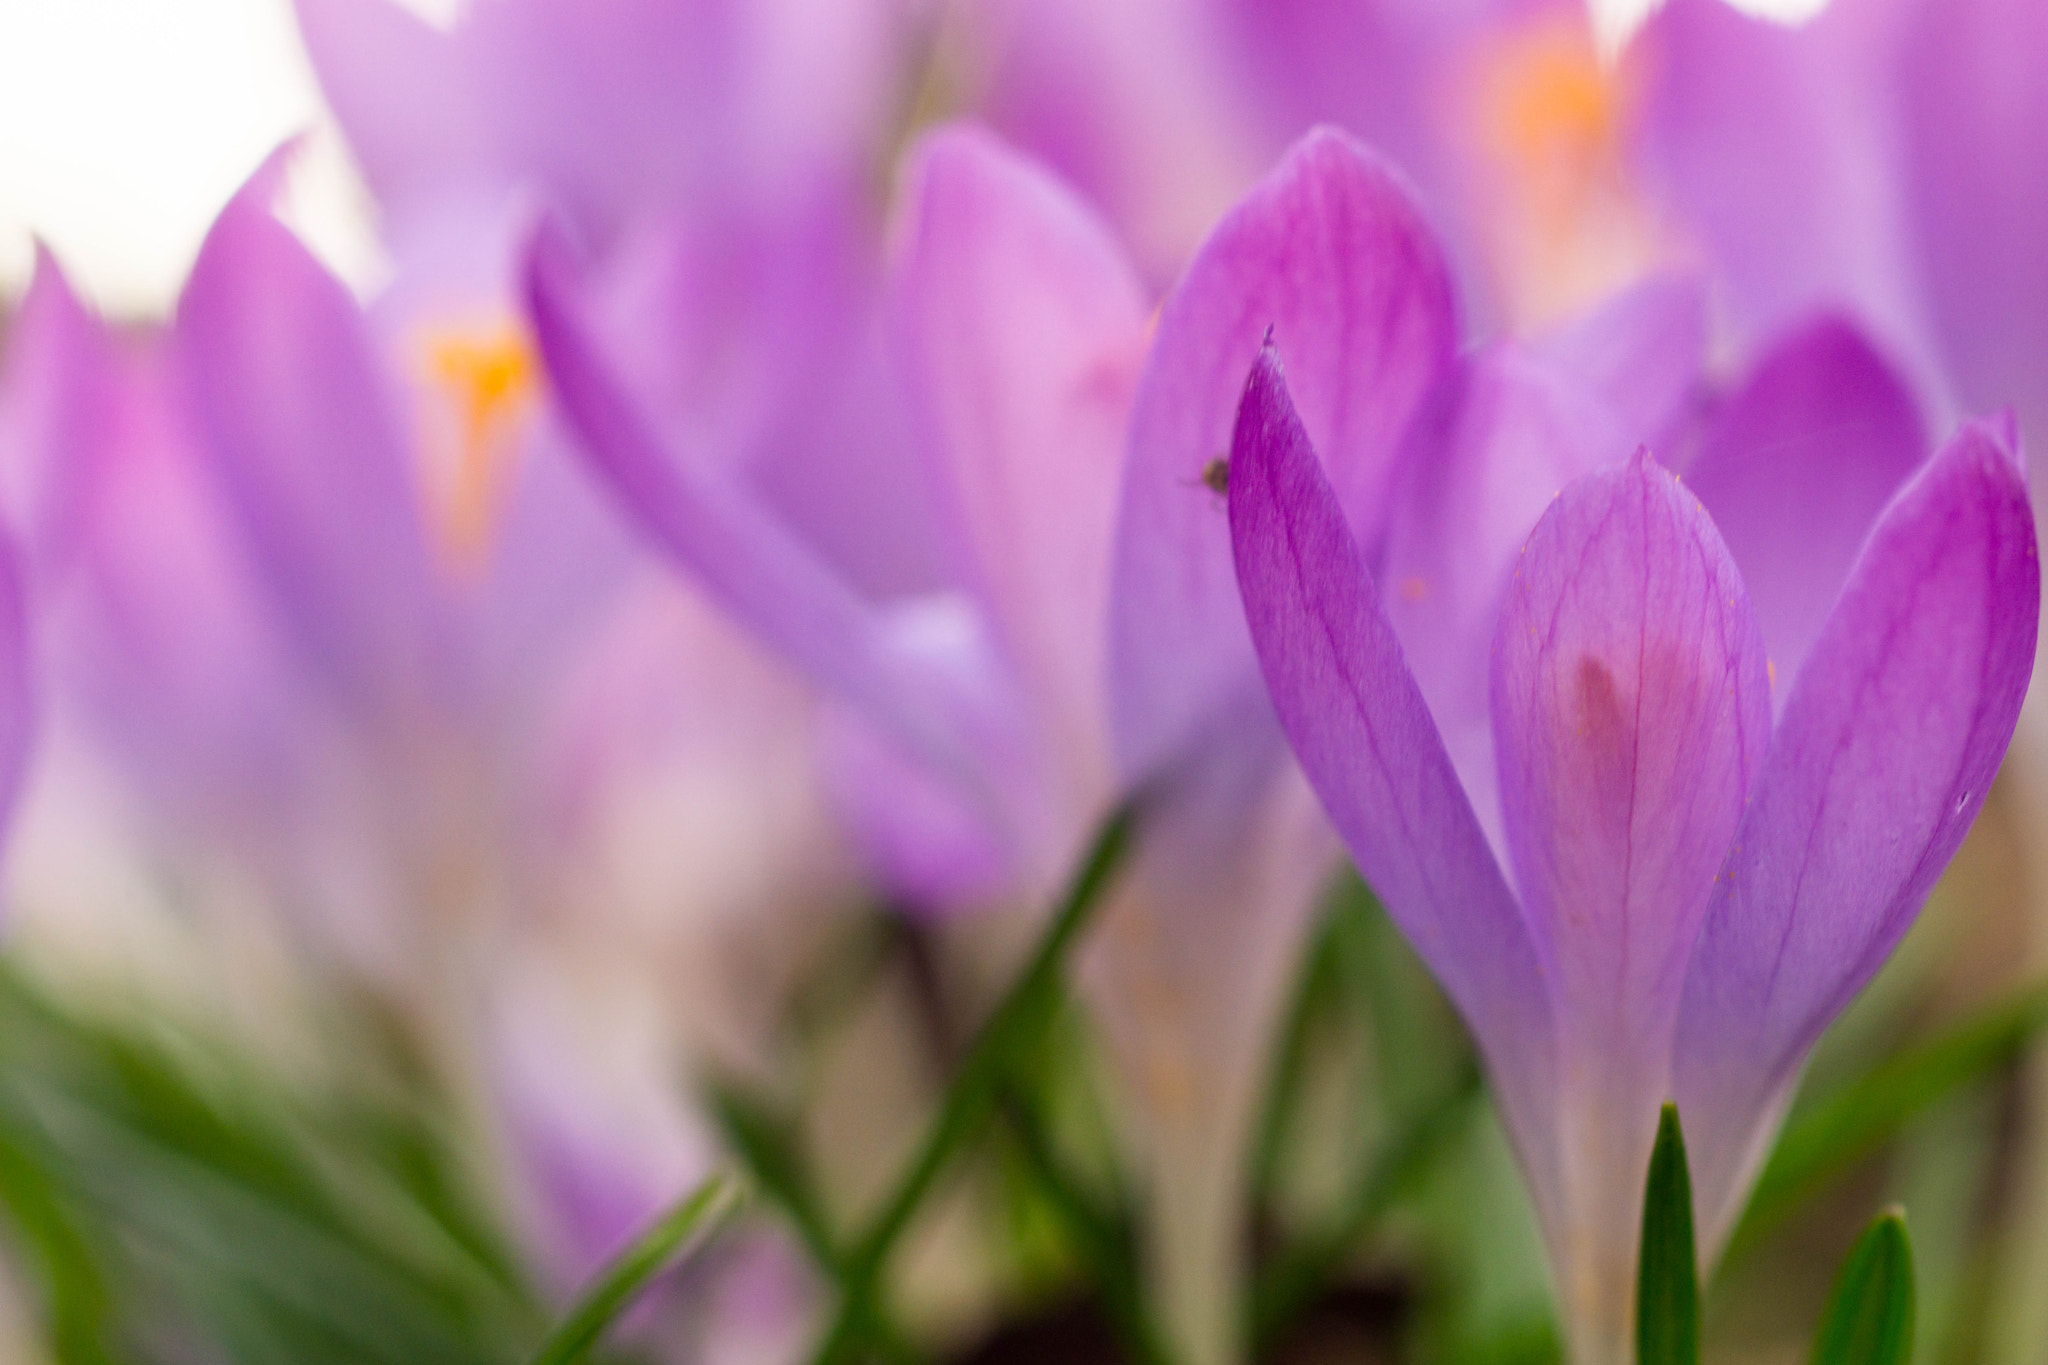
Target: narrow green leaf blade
(688, 1226)
(1667, 1277)
(1020, 1021)
(1869, 1319)
(1826, 1137)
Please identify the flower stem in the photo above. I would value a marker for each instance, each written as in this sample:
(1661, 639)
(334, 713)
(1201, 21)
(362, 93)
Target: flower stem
(1019, 1022)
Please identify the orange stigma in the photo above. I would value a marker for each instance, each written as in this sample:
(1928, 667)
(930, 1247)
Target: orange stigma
(487, 377)
(1553, 120)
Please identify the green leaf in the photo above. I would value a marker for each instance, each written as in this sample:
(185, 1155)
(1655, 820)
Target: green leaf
(682, 1231)
(1826, 1137)
(161, 1184)
(1869, 1319)
(1667, 1277)
(1003, 1044)
(1291, 1283)
(1101, 1238)
(767, 1143)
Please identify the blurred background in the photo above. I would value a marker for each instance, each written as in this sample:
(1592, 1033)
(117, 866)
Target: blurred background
(238, 1124)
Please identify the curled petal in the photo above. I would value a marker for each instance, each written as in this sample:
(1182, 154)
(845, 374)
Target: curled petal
(757, 570)
(1330, 255)
(1020, 322)
(1880, 762)
(1363, 734)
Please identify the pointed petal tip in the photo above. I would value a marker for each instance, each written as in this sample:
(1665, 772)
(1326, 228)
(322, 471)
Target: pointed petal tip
(1325, 140)
(1993, 442)
(954, 138)
(50, 292)
(1266, 408)
(261, 190)
(1266, 365)
(247, 223)
(2003, 429)
(46, 264)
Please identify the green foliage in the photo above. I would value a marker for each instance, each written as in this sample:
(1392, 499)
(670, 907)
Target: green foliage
(1667, 1278)
(162, 1192)
(163, 1198)
(1003, 1047)
(1869, 1318)
(1827, 1136)
(672, 1238)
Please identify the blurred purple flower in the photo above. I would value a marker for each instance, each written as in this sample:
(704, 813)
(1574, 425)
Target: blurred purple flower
(1956, 81)
(990, 723)
(613, 113)
(1657, 818)
(332, 593)
(1864, 161)
(290, 611)
(717, 160)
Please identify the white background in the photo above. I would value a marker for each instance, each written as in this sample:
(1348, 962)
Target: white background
(126, 124)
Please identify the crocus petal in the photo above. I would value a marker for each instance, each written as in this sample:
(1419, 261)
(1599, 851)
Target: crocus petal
(1765, 140)
(603, 109)
(170, 639)
(921, 835)
(161, 628)
(581, 1045)
(1359, 726)
(1976, 117)
(612, 111)
(1881, 761)
(1020, 323)
(751, 564)
(1331, 256)
(1641, 351)
(1130, 102)
(1795, 469)
(17, 691)
(1377, 69)
(1630, 710)
(757, 343)
(1629, 707)
(53, 405)
(303, 430)
(1496, 444)
(395, 86)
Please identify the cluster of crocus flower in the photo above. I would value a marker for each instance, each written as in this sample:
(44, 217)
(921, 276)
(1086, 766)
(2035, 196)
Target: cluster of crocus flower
(1650, 703)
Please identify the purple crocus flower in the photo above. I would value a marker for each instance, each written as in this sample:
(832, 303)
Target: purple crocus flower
(612, 113)
(1563, 170)
(1657, 823)
(990, 723)
(474, 751)
(1902, 136)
